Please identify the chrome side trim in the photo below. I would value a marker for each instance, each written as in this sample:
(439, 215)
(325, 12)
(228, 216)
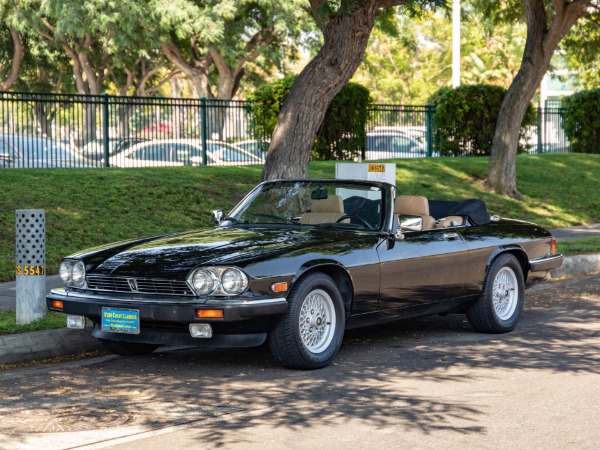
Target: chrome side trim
(268, 301)
(546, 263)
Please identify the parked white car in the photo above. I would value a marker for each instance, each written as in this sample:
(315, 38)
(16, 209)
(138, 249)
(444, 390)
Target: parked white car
(182, 152)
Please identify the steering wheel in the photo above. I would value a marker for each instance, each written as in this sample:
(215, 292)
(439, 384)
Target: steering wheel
(360, 220)
(273, 216)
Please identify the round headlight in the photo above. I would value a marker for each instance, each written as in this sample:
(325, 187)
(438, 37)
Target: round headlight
(233, 281)
(65, 271)
(203, 281)
(78, 274)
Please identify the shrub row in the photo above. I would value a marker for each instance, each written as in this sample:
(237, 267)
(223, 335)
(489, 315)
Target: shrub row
(463, 120)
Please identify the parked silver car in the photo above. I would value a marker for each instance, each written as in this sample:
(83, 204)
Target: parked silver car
(182, 152)
(392, 145)
(35, 152)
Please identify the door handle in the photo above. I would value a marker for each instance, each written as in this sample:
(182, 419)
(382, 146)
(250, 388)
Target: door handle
(450, 236)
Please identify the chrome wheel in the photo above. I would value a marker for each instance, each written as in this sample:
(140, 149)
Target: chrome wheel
(309, 334)
(501, 301)
(505, 293)
(317, 321)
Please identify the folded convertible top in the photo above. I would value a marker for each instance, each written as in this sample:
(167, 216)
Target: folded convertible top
(473, 208)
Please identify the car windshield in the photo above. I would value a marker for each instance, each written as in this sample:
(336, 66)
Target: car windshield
(311, 203)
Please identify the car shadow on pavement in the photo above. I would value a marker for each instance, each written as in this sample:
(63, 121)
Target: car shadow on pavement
(383, 376)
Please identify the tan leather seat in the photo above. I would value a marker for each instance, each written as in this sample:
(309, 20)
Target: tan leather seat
(414, 205)
(450, 221)
(327, 210)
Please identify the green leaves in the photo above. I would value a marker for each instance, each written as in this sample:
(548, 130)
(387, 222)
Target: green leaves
(581, 121)
(465, 119)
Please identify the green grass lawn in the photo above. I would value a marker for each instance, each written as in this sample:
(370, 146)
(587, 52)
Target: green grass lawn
(8, 322)
(88, 207)
(580, 246)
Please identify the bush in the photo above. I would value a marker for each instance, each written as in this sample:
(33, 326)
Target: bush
(464, 119)
(267, 101)
(342, 134)
(581, 121)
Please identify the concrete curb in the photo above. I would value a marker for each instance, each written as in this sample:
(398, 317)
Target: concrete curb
(36, 345)
(578, 265)
(26, 347)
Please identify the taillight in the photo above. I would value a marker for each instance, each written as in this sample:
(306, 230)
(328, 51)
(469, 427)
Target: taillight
(553, 246)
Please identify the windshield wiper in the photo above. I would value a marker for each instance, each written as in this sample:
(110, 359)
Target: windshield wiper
(234, 220)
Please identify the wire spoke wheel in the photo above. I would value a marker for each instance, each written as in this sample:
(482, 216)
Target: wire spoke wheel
(505, 293)
(499, 306)
(317, 321)
(309, 334)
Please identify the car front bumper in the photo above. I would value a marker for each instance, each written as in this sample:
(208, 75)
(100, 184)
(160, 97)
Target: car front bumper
(165, 321)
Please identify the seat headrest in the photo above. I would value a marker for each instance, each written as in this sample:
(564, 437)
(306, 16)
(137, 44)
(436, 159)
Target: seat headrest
(413, 205)
(333, 203)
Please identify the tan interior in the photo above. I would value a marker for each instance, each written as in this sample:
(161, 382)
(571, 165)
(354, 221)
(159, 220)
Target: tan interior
(450, 221)
(327, 210)
(414, 205)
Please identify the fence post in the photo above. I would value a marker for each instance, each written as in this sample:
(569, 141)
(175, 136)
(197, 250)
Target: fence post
(203, 129)
(539, 130)
(30, 249)
(105, 129)
(429, 131)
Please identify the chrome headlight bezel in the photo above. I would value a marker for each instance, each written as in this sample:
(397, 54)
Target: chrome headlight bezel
(227, 281)
(233, 281)
(72, 273)
(204, 286)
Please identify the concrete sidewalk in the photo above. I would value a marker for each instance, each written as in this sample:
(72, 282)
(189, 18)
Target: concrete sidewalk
(23, 347)
(571, 233)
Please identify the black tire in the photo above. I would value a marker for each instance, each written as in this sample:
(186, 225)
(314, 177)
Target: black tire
(499, 307)
(128, 348)
(313, 343)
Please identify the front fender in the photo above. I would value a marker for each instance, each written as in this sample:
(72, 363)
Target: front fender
(516, 250)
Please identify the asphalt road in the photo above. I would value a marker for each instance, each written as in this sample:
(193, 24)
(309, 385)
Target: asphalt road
(431, 383)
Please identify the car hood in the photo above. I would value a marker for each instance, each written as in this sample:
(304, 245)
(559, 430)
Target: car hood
(174, 256)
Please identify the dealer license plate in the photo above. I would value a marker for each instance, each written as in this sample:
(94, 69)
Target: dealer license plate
(119, 320)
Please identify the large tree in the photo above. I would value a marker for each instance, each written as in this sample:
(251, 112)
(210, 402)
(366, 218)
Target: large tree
(547, 24)
(95, 38)
(346, 26)
(214, 42)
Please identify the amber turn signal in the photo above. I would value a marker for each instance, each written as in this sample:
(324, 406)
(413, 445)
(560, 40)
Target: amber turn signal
(57, 304)
(209, 313)
(279, 287)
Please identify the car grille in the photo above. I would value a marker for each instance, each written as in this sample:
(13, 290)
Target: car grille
(141, 285)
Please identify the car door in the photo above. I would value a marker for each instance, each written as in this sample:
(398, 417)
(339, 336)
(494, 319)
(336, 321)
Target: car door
(423, 267)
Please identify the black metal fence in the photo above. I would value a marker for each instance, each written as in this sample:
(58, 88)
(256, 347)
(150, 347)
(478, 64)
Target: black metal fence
(64, 130)
(61, 130)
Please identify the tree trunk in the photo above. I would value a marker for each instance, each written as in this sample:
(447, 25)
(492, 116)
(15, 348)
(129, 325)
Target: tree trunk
(17, 59)
(345, 41)
(198, 74)
(44, 116)
(539, 48)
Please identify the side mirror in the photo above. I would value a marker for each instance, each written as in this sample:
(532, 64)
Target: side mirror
(217, 216)
(411, 223)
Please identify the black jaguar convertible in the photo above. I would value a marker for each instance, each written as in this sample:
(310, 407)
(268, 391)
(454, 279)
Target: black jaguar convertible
(297, 262)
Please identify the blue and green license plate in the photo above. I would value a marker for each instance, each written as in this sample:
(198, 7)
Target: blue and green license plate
(119, 320)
